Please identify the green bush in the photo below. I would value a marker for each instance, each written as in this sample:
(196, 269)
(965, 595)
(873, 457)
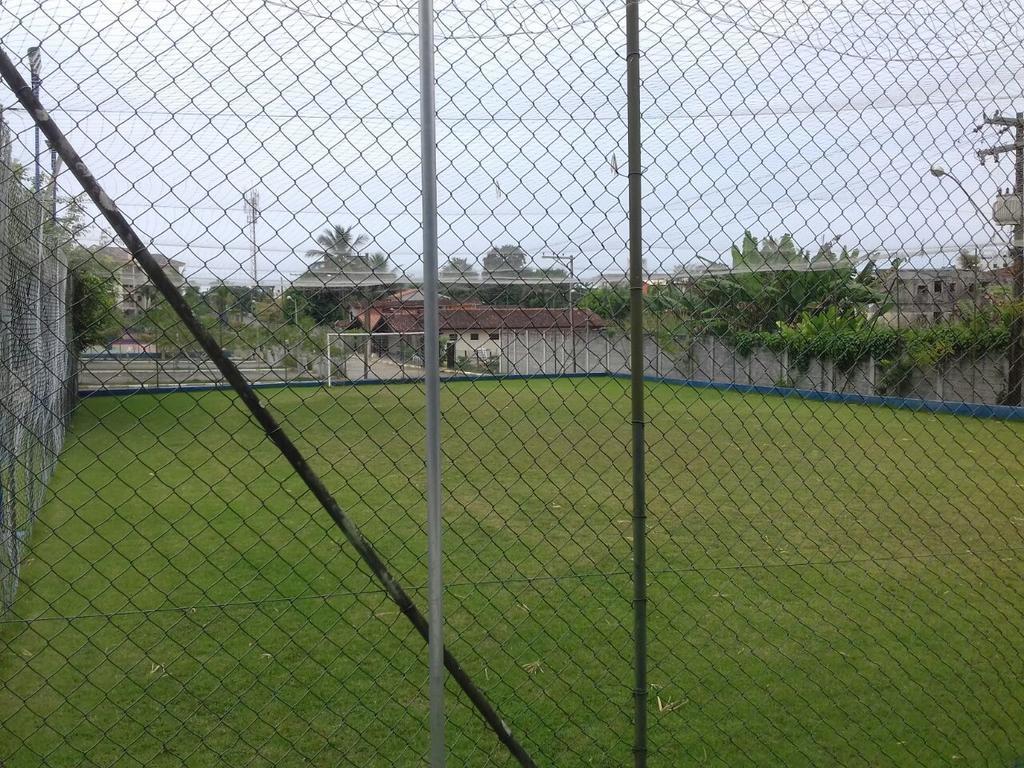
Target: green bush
(847, 340)
(94, 315)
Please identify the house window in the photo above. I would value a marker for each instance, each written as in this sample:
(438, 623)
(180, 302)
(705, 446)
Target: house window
(474, 337)
(922, 289)
(453, 336)
(938, 286)
(493, 336)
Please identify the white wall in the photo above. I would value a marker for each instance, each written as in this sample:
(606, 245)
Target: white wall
(482, 346)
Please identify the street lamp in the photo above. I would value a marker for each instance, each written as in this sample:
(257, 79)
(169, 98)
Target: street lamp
(295, 308)
(570, 261)
(939, 172)
(1015, 373)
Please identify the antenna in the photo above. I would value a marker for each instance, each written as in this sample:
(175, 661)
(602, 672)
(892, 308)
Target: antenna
(252, 215)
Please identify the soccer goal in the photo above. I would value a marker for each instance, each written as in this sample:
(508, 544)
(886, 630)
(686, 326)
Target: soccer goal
(362, 356)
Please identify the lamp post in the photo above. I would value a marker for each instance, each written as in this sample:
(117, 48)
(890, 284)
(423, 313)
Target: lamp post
(295, 309)
(1016, 372)
(570, 261)
(939, 173)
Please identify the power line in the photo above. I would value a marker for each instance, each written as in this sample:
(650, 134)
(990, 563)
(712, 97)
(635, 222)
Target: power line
(648, 116)
(834, 51)
(354, 26)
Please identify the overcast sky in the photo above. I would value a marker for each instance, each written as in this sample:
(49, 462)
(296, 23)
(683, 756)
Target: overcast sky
(816, 119)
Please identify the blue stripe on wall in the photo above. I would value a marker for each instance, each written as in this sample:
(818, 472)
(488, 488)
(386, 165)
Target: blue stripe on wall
(974, 410)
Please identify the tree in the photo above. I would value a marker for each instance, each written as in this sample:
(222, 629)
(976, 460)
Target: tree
(376, 262)
(331, 306)
(969, 260)
(218, 298)
(295, 304)
(459, 267)
(337, 246)
(506, 258)
(773, 281)
(94, 315)
(171, 335)
(93, 312)
(612, 303)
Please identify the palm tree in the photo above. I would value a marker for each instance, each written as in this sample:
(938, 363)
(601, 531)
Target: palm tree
(375, 262)
(337, 246)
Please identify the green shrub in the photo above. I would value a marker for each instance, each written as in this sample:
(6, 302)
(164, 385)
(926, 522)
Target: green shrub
(94, 315)
(848, 340)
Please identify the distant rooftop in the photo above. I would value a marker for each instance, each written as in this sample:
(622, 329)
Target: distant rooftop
(120, 256)
(483, 318)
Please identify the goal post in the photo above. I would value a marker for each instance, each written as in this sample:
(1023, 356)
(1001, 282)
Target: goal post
(365, 356)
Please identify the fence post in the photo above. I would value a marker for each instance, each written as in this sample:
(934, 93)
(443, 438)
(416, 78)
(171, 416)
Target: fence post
(432, 377)
(636, 332)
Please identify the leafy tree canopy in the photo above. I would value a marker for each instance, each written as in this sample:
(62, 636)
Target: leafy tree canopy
(506, 258)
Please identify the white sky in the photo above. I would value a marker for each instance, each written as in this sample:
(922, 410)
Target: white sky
(817, 119)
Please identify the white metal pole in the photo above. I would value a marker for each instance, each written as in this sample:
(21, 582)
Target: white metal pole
(432, 380)
(572, 311)
(366, 356)
(330, 365)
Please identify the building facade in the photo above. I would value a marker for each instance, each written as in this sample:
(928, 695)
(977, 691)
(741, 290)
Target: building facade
(470, 332)
(135, 292)
(926, 296)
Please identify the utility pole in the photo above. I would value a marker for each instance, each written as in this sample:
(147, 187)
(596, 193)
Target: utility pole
(252, 215)
(1015, 374)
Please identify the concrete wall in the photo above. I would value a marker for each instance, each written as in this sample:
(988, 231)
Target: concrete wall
(708, 358)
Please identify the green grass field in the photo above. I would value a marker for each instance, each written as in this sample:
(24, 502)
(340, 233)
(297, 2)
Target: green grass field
(829, 584)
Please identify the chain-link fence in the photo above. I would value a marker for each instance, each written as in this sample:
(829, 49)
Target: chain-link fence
(34, 358)
(728, 325)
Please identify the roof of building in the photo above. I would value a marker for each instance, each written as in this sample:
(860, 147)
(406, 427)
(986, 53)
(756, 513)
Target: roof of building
(120, 255)
(912, 273)
(476, 317)
(622, 278)
(409, 296)
(326, 279)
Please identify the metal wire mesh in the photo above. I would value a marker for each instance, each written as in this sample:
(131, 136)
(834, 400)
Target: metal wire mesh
(35, 360)
(831, 353)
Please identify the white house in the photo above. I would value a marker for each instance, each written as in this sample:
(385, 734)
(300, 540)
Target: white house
(134, 290)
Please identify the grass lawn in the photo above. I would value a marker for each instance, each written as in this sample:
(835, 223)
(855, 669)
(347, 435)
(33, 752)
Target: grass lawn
(829, 584)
